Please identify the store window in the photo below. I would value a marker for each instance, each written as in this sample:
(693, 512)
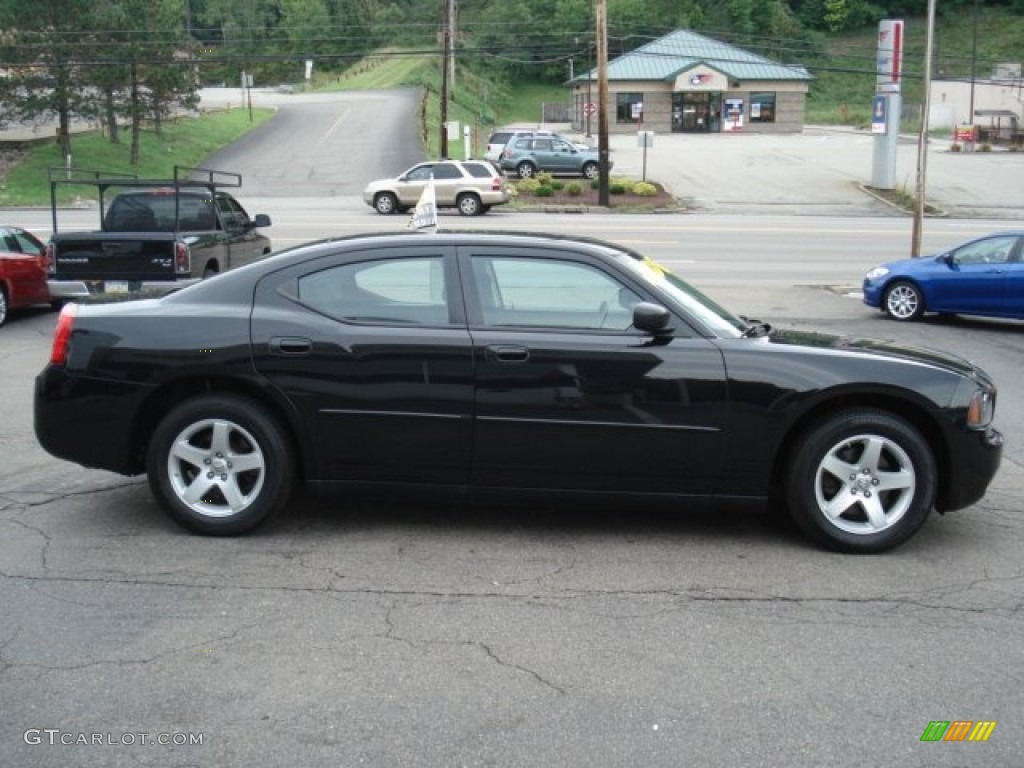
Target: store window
(629, 107)
(762, 107)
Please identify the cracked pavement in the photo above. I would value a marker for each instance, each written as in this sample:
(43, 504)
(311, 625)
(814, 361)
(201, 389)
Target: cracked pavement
(356, 631)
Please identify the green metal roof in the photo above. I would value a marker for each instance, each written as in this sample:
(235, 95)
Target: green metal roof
(666, 57)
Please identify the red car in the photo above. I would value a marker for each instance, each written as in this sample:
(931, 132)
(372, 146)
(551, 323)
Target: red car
(22, 271)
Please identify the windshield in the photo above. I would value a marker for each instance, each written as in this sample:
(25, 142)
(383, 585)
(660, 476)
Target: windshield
(705, 311)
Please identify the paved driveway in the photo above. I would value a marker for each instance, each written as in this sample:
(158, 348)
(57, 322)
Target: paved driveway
(322, 145)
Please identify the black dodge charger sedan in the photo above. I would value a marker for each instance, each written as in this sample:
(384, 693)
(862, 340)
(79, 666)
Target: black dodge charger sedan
(506, 362)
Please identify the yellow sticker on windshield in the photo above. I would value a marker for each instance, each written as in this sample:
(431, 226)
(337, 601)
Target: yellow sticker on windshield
(652, 264)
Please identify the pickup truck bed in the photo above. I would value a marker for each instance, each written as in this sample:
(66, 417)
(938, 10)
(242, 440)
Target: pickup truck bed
(156, 236)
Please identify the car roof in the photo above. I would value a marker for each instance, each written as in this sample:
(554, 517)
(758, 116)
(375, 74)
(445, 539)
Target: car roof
(237, 283)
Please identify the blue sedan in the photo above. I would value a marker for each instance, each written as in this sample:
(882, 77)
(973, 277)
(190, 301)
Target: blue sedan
(981, 277)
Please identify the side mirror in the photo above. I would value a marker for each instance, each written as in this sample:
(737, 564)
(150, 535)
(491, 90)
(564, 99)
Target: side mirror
(652, 318)
(261, 220)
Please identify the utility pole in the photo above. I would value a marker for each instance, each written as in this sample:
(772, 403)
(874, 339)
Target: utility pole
(453, 20)
(974, 63)
(602, 102)
(446, 45)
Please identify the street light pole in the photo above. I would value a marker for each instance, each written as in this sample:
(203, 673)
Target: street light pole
(602, 102)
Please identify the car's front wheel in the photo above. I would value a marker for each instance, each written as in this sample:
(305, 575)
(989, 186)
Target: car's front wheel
(861, 480)
(469, 204)
(385, 203)
(525, 170)
(903, 301)
(590, 170)
(220, 464)
(3, 305)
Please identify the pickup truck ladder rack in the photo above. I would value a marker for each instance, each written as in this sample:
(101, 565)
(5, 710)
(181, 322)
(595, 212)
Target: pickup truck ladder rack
(185, 177)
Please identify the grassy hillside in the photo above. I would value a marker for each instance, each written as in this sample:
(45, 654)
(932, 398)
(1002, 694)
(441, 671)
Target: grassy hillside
(846, 75)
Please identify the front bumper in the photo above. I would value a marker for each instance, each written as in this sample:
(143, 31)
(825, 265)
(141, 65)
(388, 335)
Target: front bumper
(974, 466)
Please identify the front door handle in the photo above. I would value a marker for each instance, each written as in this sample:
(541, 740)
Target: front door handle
(508, 353)
(291, 345)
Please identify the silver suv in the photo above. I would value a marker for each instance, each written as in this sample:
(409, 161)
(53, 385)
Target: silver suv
(526, 155)
(499, 139)
(472, 186)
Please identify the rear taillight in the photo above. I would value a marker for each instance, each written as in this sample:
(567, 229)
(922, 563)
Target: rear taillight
(496, 184)
(182, 259)
(50, 256)
(62, 336)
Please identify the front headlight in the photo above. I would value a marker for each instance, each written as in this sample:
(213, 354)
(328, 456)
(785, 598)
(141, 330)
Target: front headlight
(982, 409)
(876, 273)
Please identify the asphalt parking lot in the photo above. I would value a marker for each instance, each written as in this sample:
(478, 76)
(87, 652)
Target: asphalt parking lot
(822, 171)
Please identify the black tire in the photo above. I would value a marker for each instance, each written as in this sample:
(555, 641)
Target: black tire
(525, 170)
(874, 469)
(903, 301)
(590, 170)
(231, 468)
(469, 204)
(385, 203)
(209, 272)
(3, 305)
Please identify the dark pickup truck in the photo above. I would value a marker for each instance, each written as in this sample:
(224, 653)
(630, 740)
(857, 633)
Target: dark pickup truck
(156, 234)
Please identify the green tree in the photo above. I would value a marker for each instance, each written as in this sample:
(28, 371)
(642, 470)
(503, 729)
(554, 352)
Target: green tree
(49, 47)
(148, 67)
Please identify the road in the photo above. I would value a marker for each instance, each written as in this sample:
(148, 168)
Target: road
(427, 632)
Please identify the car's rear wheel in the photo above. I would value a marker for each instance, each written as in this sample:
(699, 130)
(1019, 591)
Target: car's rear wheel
(903, 301)
(861, 480)
(469, 204)
(590, 170)
(525, 170)
(220, 465)
(385, 203)
(3, 305)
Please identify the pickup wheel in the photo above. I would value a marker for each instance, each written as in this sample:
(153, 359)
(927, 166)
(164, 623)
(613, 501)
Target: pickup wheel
(220, 465)
(385, 203)
(209, 272)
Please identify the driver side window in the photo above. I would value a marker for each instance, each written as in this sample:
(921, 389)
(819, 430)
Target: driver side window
(992, 250)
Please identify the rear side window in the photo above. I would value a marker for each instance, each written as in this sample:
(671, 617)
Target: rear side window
(387, 292)
(479, 170)
(500, 137)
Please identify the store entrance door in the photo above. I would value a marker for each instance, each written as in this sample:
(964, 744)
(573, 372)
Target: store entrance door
(699, 112)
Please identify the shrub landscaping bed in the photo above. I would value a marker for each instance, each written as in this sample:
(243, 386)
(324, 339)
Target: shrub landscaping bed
(627, 194)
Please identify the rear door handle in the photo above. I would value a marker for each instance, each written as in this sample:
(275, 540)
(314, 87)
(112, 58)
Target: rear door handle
(291, 345)
(508, 353)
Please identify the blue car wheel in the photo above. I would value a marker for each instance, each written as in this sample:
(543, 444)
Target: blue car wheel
(903, 301)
